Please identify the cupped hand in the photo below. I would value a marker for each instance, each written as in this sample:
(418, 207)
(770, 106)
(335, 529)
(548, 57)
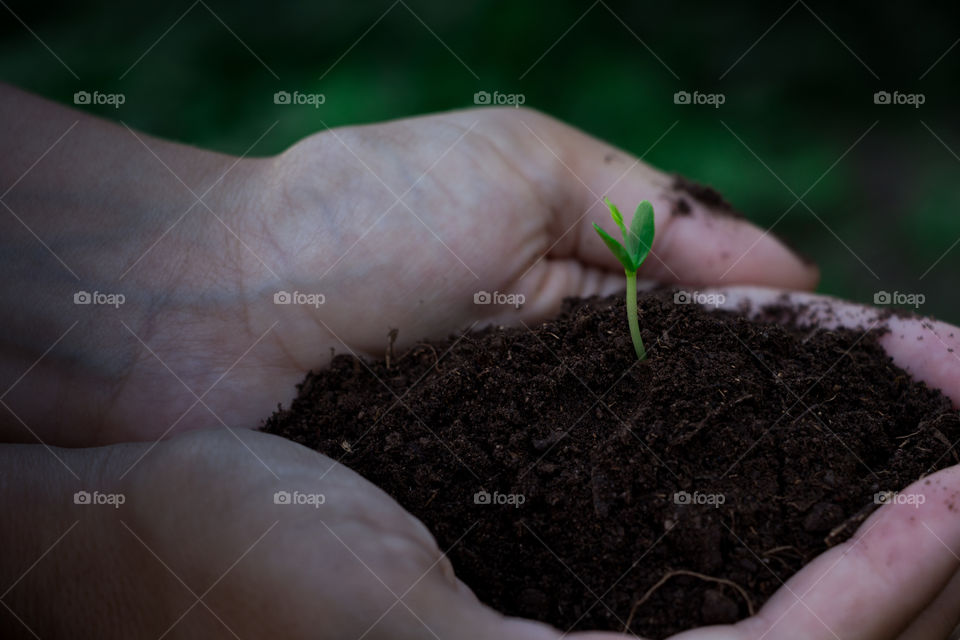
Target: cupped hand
(244, 534)
(425, 226)
(400, 224)
(276, 540)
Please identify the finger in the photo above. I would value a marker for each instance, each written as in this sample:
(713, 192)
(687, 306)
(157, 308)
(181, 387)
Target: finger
(928, 350)
(874, 585)
(896, 564)
(700, 239)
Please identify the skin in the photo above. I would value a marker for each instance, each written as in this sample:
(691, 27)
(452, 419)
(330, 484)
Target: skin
(199, 520)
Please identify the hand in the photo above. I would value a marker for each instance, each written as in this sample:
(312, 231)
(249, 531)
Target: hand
(399, 225)
(200, 521)
(896, 578)
(396, 225)
(200, 548)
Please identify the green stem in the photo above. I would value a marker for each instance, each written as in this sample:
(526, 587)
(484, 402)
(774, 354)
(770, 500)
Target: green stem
(632, 315)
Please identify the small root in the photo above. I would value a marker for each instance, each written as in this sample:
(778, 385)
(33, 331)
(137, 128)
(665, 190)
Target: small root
(776, 550)
(694, 574)
(846, 528)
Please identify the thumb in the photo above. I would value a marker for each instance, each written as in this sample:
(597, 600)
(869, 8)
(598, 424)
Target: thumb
(700, 239)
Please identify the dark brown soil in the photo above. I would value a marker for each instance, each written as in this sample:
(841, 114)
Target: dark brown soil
(793, 432)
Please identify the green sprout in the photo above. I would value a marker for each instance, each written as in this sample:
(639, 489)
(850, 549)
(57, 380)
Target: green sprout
(631, 254)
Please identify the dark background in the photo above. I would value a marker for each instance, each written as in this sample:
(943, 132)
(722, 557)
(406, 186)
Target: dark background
(800, 98)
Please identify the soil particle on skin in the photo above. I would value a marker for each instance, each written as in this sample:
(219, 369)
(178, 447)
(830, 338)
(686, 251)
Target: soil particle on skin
(786, 310)
(572, 484)
(715, 203)
(681, 207)
(705, 195)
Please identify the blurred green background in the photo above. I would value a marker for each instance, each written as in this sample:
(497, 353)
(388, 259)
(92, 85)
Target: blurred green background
(798, 80)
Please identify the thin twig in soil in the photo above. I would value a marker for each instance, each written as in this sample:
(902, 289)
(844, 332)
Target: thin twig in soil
(774, 554)
(909, 435)
(848, 526)
(694, 574)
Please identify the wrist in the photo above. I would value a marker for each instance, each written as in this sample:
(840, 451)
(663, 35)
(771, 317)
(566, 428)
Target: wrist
(108, 246)
(144, 272)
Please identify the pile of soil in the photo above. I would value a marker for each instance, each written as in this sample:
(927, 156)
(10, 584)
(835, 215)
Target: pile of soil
(592, 491)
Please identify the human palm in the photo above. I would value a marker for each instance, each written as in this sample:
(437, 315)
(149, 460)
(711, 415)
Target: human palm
(249, 535)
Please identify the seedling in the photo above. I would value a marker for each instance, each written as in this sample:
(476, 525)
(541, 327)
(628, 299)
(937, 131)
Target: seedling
(637, 241)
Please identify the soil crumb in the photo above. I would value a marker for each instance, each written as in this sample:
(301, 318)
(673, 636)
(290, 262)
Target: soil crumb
(705, 195)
